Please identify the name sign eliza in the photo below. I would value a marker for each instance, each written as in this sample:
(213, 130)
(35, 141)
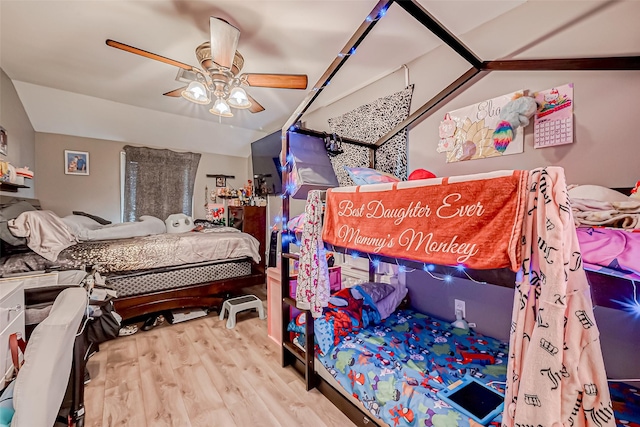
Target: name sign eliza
(476, 223)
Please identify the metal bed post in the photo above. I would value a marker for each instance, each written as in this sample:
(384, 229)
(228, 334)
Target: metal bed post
(289, 350)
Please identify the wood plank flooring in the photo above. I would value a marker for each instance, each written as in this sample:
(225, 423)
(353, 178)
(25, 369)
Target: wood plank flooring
(198, 373)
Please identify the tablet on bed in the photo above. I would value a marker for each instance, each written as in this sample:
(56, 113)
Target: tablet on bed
(474, 399)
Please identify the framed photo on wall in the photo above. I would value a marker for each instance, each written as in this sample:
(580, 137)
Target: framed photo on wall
(221, 181)
(4, 143)
(76, 162)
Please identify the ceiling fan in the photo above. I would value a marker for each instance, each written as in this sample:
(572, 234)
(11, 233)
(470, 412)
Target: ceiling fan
(219, 79)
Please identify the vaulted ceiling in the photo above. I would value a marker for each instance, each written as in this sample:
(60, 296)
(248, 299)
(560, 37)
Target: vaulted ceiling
(71, 82)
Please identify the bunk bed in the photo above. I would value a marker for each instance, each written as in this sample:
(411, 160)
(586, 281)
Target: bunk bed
(157, 272)
(503, 274)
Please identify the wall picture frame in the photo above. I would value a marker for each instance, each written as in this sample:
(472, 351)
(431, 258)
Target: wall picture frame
(4, 142)
(221, 181)
(76, 162)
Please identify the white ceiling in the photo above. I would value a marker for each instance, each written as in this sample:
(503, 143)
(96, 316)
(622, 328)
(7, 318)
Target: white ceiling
(71, 83)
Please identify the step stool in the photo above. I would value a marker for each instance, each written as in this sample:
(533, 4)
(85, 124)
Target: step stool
(235, 305)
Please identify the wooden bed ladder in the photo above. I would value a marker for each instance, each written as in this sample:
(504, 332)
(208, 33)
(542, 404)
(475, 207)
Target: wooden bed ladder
(292, 353)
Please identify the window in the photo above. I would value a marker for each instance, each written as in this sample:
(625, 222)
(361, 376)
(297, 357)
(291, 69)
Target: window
(158, 182)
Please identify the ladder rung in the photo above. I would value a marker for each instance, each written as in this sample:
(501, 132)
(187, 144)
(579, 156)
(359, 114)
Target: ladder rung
(295, 350)
(289, 301)
(291, 256)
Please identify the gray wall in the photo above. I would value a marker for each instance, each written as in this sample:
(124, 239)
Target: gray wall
(605, 101)
(489, 307)
(604, 112)
(21, 137)
(99, 193)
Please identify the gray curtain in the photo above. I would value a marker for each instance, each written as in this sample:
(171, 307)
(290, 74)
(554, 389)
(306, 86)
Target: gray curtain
(158, 182)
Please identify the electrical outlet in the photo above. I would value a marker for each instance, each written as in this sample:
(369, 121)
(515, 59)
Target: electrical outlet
(459, 305)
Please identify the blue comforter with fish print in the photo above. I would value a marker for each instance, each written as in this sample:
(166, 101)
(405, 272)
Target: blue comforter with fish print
(396, 368)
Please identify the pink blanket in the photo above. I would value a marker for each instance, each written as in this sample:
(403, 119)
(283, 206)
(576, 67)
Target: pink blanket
(555, 375)
(605, 248)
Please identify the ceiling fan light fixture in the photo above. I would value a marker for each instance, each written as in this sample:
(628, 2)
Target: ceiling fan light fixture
(221, 108)
(196, 92)
(238, 98)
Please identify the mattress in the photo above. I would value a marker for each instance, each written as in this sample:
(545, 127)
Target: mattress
(138, 283)
(141, 253)
(393, 371)
(325, 375)
(396, 368)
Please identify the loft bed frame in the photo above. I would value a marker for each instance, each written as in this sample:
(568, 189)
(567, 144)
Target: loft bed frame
(303, 361)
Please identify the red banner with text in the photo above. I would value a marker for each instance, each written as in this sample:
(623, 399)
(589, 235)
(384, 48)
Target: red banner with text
(475, 221)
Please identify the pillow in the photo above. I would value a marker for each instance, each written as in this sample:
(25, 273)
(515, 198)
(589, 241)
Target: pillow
(387, 305)
(148, 225)
(12, 212)
(77, 223)
(96, 218)
(179, 223)
(377, 291)
(364, 176)
(597, 192)
(46, 233)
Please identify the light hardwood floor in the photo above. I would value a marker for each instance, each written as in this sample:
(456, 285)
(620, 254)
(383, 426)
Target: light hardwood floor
(198, 373)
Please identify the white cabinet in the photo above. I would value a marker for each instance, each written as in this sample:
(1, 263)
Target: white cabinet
(11, 320)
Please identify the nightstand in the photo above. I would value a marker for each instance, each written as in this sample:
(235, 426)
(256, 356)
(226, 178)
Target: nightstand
(251, 220)
(11, 320)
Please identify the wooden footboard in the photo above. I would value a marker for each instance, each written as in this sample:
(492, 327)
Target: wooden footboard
(210, 294)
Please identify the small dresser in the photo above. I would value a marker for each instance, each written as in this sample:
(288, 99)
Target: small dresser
(251, 220)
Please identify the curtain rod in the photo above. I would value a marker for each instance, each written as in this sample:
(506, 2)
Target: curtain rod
(321, 134)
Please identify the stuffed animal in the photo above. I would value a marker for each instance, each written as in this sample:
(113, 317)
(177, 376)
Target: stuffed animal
(421, 174)
(516, 113)
(179, 223)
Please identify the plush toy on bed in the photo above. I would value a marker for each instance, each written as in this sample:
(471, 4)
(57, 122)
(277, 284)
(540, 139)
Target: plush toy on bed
(179, 223)
(515, 113)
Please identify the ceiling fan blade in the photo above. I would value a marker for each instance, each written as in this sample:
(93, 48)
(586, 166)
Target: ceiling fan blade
(279, 81)
(224, 41)
(176, 92)
(149, 55)
(255, 105)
